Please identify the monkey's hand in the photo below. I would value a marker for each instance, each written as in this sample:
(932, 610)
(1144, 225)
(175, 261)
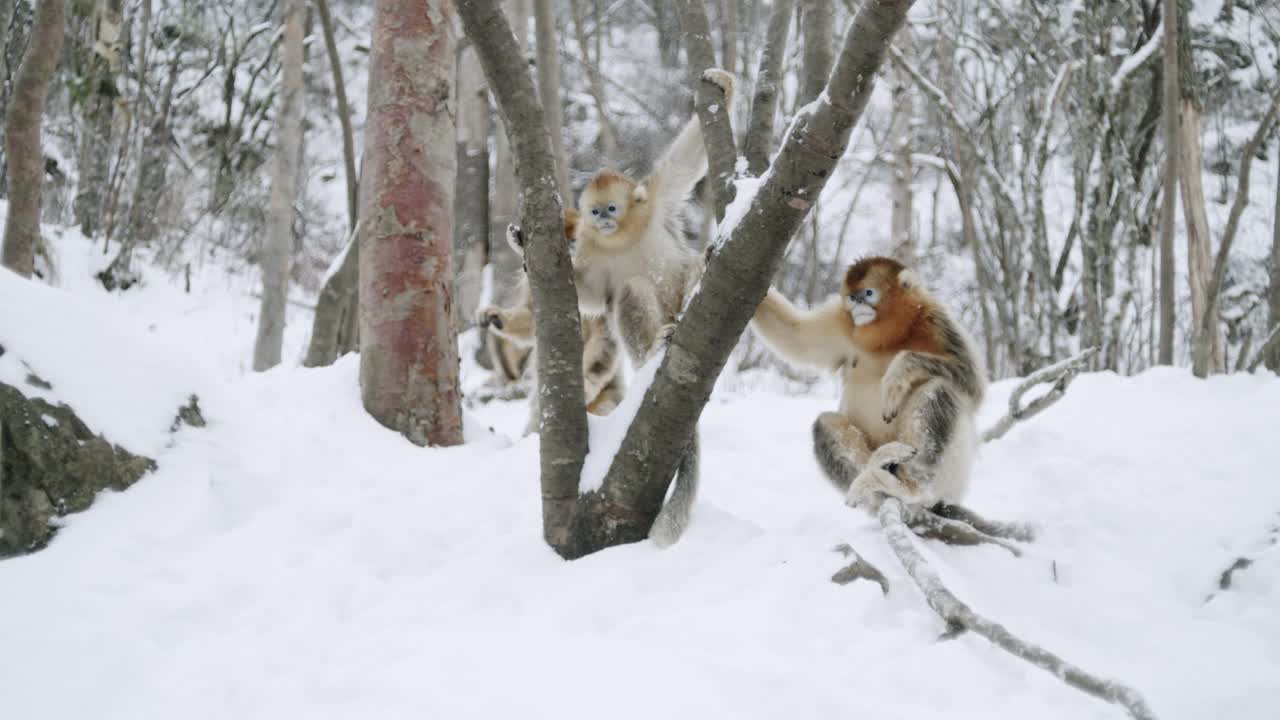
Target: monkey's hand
(880, 477)
(896, 386)
(721, 79)
(665, 333)
(515, 238)
(490, 316)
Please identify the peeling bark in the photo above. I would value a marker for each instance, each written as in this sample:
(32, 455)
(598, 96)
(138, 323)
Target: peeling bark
(408, 347)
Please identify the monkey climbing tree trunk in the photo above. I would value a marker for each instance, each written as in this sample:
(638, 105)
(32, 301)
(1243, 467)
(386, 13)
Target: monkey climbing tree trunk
(22, 136)
(758, 140)
(408, 347)
(563, 437)
(817, 21)
(344, 110)
(284, 184)
(1169, 214)
(549, 84)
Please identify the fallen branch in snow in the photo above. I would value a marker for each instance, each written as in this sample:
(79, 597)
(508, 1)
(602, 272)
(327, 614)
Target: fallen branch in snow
(859, 569)
(955, 613)
(1244, 562)
(1060, 374)
(928, 524)
(1021, 532)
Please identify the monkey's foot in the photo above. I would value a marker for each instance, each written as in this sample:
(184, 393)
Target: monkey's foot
(720, 78)
(881, 477)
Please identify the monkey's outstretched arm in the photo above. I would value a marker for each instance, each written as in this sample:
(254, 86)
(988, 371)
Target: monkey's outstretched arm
(685, 161)
(820, 337)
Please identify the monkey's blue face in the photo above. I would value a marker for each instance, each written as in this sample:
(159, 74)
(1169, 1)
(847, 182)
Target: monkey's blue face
(861, 304)
(605, 216)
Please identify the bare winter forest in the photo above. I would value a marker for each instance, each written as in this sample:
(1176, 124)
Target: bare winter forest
(267, 262)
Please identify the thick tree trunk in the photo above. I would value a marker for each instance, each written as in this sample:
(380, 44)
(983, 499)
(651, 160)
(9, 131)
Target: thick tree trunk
(1169, 216)
(22, 137)
(344, 111)
(471, 198)
(759, 136)
(563, 436)
(1273, 357)
(549, 84)
(284, 189)
(408, 347)
(817, 20)
(505, 206)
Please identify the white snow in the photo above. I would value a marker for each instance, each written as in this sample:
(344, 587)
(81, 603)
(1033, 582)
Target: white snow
(295, 559)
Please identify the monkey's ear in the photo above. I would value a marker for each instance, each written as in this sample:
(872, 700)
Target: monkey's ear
(640, 194)
(908, 279)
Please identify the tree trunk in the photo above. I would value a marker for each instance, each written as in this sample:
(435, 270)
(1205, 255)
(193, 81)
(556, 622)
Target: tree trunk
(608, 135)
(506, 195)
(817, 19)
(331, 330)
(1169, 216)
(22, 136)
(549, 84)
(344, 111)
(901, 241)
(668, 25)
(408, 347)
(759, 136)
(97, 108)
(1206, 345)
(557, 325)
(471, 199)
(709, 103)
(1273, 357)
(729, 35)
(284, 189)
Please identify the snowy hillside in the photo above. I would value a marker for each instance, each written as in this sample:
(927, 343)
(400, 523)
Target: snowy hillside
(294, 559)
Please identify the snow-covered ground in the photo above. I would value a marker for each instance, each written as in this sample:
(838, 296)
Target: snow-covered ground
(294, 559)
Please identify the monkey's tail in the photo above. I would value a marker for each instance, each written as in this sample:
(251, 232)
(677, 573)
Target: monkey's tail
(673, 518)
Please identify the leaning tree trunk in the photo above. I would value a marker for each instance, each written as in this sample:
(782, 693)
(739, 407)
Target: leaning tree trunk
(736, 279)
(817, 22)
(1169, 216)
(284, 188)
(332, 329)
(22, 137)
(408, 347)
(471, 199)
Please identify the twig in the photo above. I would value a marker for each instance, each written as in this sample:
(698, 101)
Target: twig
(926, 524)
(995, 528)
(1059, 374)
(859, 569)
(956, 613)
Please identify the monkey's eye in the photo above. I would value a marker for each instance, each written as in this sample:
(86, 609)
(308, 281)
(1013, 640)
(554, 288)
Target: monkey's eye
(595, 211)
(613, 209)
(872, 295)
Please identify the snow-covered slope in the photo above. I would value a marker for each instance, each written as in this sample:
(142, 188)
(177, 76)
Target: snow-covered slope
(294, 559)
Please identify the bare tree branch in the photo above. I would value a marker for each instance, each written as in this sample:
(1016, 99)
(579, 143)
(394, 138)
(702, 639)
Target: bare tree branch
(1260, 357)
(954, 612)
(1059, 374)
(759, 135)
(709, 102)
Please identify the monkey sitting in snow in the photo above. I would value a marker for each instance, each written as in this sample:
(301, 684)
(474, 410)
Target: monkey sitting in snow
(912, 384)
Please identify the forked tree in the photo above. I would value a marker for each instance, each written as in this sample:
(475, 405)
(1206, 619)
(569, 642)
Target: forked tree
(738, 274)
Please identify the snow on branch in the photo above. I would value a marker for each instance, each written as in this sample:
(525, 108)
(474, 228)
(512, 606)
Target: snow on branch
(1059, 374)
(1137, 60)
(956, 614)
